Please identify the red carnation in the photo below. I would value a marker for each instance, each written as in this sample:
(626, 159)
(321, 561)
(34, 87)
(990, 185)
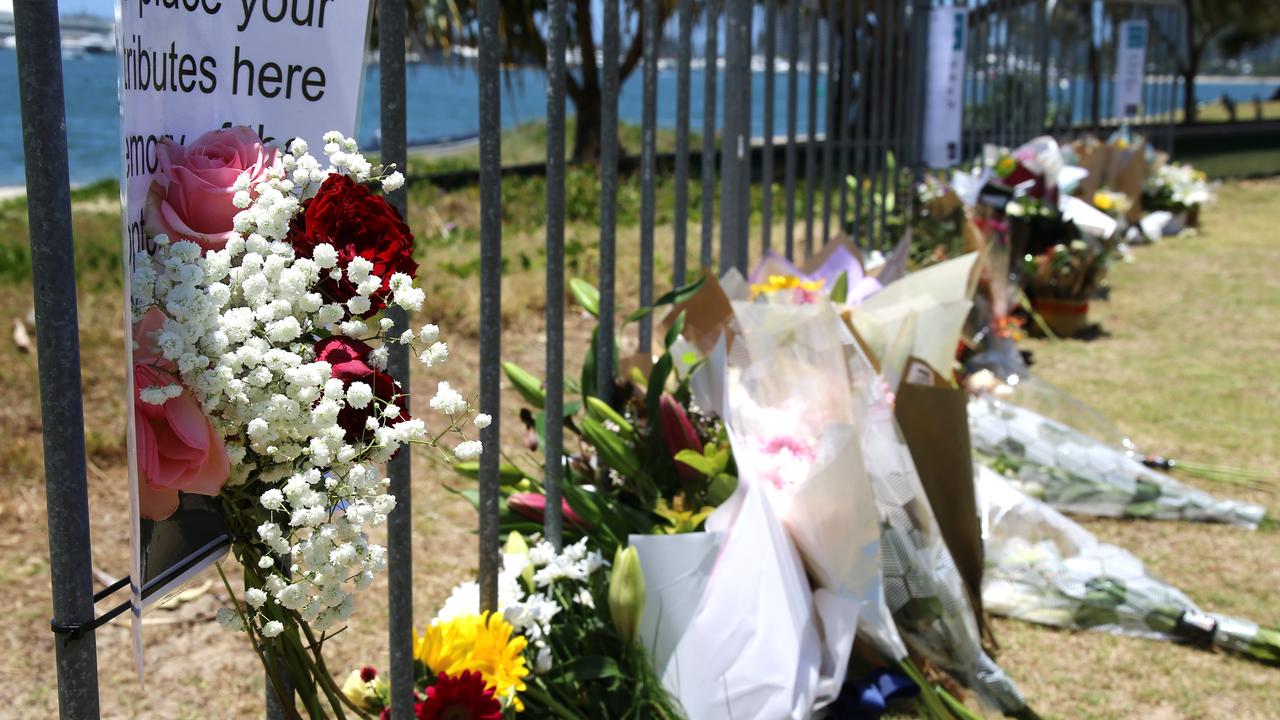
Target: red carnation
(368, 673)
(349, 359)
(356, 223)
(459, 697)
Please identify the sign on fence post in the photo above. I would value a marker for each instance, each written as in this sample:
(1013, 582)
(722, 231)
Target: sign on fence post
(284, 69)
(944, 88)
(1131, 62)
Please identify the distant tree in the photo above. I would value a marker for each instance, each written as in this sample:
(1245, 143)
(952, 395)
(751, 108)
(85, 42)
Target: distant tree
(1232, 26)
(442, 24)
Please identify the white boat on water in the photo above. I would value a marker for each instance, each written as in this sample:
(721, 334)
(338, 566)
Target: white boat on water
(82, 33)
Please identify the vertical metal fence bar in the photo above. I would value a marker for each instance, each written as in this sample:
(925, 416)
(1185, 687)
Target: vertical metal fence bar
(981, 99)
(793, 102)
(1041, 46)
(1001, 77)
(649, 26)
(729, 135)
(490, 295)
(810, 145)
(53, 279)
(734, 168)
(1013, 74)
(685, 52)
(608, 201)
(902, 118)
(846, 102)
(860, 122)
(770, 77)
(553, 520)
(744, 141)
(391, 55)
(709, 131)
(828, 113)
(887, 120)
(874, 114)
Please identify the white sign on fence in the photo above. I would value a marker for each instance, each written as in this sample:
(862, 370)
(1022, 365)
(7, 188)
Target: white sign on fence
(1131, 62)
(944, 97)
(285, 68)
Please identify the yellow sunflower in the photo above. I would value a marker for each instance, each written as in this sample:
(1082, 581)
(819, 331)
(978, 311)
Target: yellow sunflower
(485, 643)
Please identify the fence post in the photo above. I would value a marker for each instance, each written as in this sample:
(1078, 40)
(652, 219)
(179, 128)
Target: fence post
(711, 53)
(53, 279)
(490, 98)
(649, 27)
(608, 200)
(391, 69)
(685, 44)
(554, 471)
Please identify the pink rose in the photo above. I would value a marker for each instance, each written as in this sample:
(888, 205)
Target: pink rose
(190, 198)
(177, 447)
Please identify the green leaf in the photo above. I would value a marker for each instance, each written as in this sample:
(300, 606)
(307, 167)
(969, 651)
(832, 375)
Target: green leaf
(840, 292)
(588, 381)
(721, 489)
(571, 408)
(529, 387)
(508, 474)
(611, 448)
(698, 461)
(588, 667)
(601, 411)
(657, 381)
(675, 297)
(673, 333)
(586, 295)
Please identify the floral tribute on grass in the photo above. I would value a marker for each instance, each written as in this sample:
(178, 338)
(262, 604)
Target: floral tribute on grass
(261, 378)
(561, 645)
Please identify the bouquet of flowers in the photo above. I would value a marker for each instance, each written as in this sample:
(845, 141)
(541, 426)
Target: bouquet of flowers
(1076, 473)
(649, 463)
(922, 586)
(562, 644)
(260, 375)
(1044, 568)
(1176, 188)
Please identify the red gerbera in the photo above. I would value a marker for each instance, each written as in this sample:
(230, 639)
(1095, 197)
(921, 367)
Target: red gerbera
(459, 697)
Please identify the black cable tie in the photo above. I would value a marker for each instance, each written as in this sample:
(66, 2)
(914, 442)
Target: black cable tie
(74, 629)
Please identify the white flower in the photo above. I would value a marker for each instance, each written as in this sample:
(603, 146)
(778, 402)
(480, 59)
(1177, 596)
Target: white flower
(325, 256)
(393, 182)
(406, 337)
(358, 305)
(272, 499)
(429, 333)
(272, 629)
(255, 597)
(468, 450)
(359, 395)
(482, 421)
(542, 664)
(230, 619)
(435, 355)
(265, 562)
(447, 400)
(358, 269)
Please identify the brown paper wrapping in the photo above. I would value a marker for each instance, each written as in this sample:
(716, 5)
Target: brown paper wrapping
(934, 422)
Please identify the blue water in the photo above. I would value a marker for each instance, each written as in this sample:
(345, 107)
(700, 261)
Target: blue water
(442, 102)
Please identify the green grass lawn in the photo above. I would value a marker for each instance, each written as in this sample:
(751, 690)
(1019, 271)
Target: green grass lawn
(1187, 367)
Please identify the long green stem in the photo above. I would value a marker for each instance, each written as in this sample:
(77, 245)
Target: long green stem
(259, 650)
(534, 692)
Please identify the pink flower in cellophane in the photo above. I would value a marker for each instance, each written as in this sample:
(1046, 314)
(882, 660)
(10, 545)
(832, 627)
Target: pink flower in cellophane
(783, 460)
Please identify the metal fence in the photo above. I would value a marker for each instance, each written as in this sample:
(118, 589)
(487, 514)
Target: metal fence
(856, 66)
